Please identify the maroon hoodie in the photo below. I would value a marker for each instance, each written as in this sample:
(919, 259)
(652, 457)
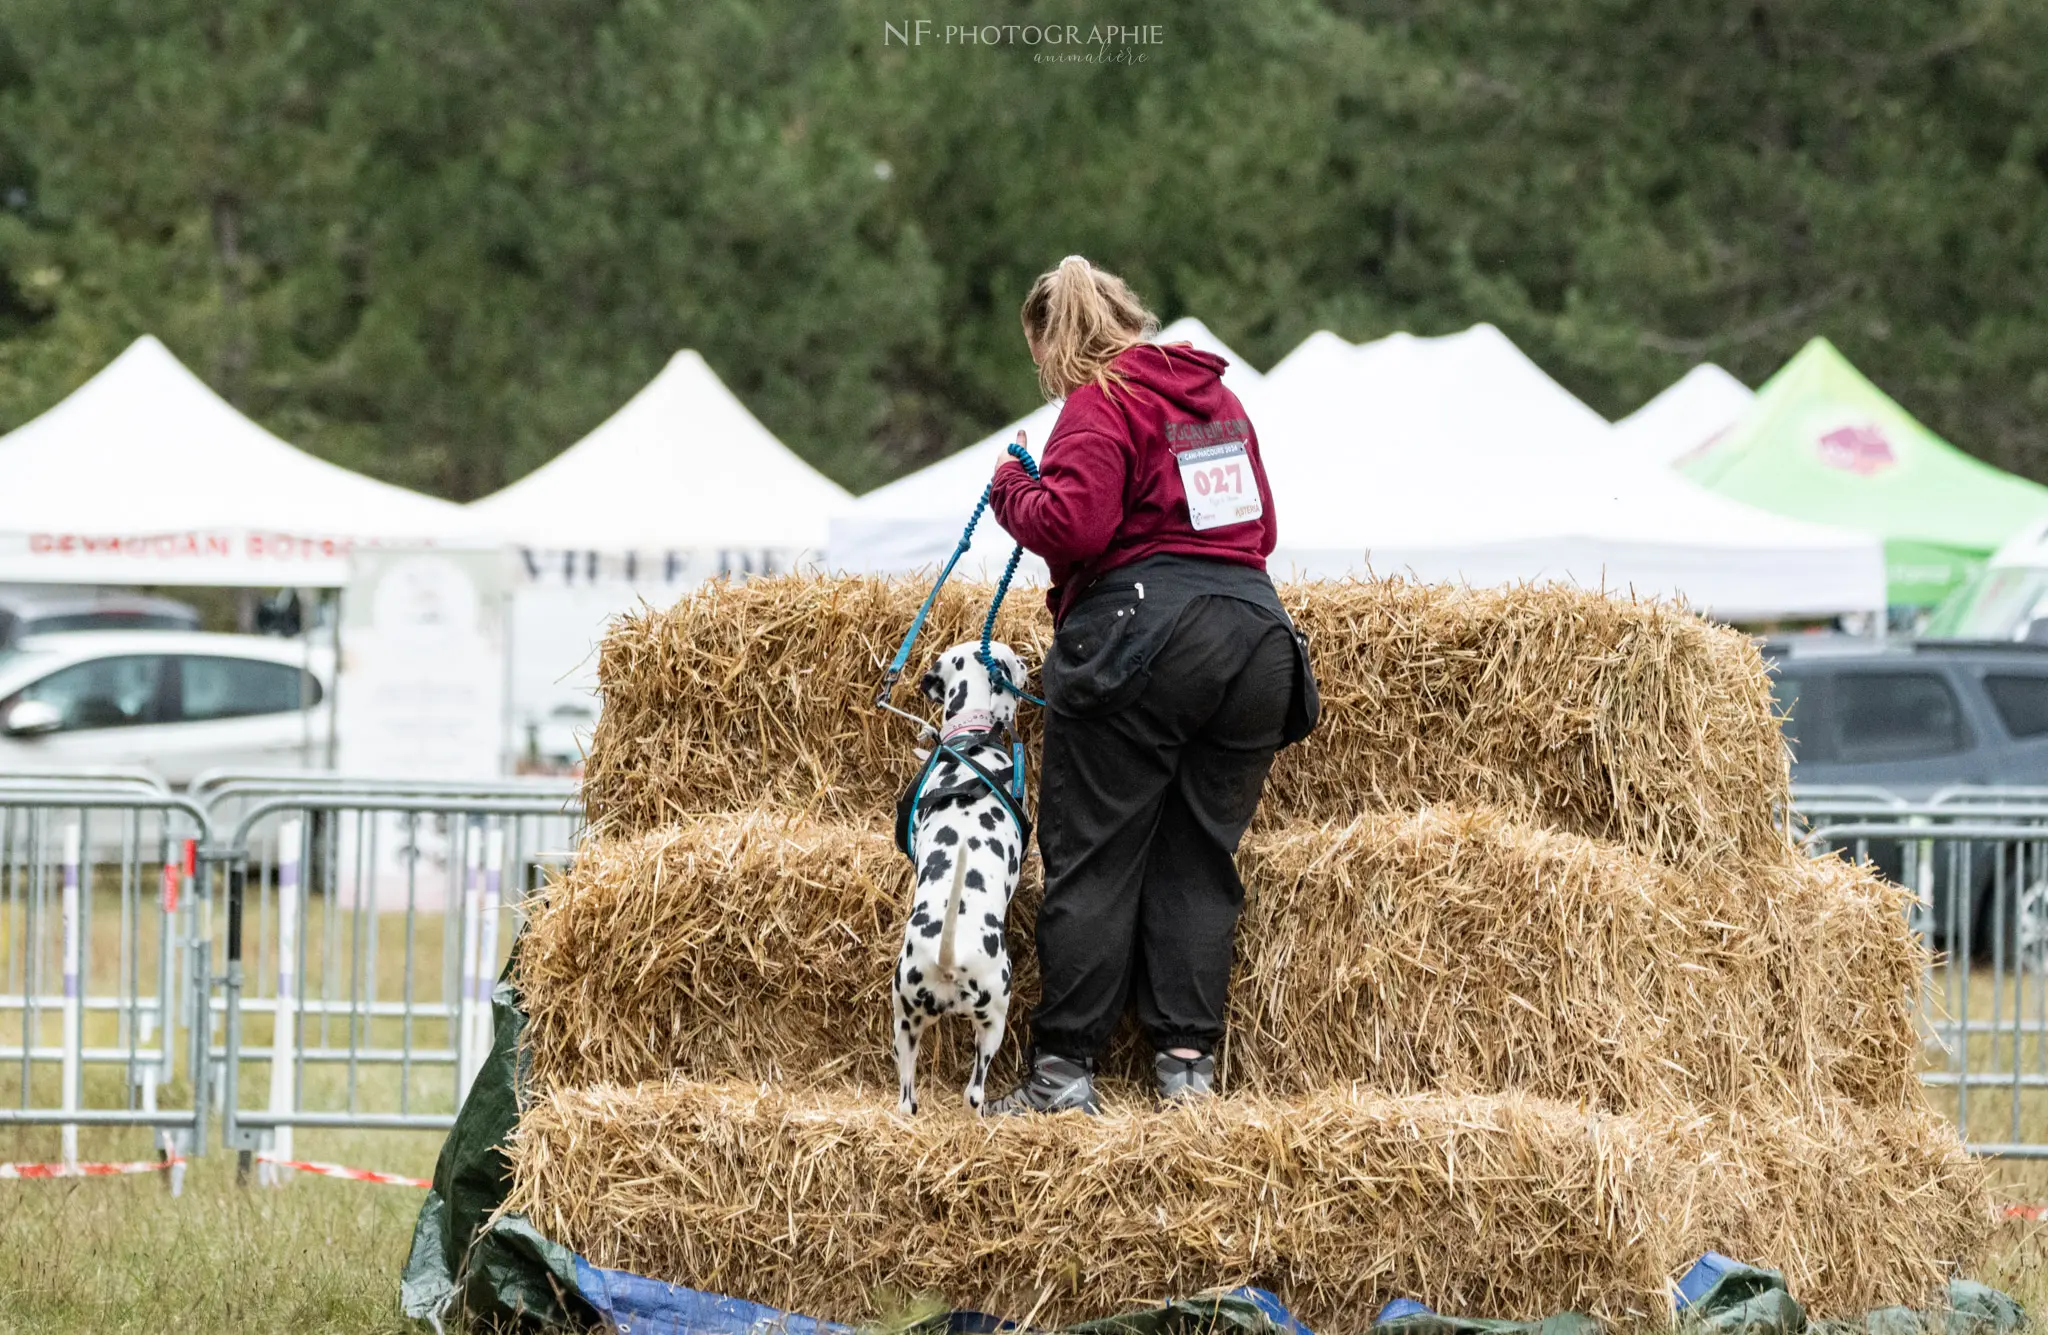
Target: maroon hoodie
(1167, 462)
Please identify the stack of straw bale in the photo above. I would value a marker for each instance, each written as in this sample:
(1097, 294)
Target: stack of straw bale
(1631, 722)
(1336, 1201)
(1532, 1003)
(1434, 951)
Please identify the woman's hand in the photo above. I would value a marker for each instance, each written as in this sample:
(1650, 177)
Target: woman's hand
(1009, 458)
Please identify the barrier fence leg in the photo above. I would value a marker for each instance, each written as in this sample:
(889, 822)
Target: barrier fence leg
(231, 1067)
(199, 1001)
(487, 948)
(472, 913)
(284, 1027)
(74, 1010)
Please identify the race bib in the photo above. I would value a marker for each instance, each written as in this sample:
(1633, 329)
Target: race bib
(1220, 486)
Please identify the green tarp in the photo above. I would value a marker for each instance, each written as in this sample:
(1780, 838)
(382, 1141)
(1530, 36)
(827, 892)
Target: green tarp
(1822, 443)
(507, 1272)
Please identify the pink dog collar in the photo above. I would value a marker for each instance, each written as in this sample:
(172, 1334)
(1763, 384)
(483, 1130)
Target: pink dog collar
(969, 720)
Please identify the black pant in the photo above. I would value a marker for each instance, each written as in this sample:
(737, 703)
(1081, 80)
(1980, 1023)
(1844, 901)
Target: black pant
(1140, 814)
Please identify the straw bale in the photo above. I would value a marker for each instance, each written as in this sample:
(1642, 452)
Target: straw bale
(1441, 951)
(1626, 720)
(761, 694)
(1507, 1205)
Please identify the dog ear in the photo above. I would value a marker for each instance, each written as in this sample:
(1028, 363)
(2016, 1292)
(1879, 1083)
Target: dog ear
(933, 687)
(1013, 663)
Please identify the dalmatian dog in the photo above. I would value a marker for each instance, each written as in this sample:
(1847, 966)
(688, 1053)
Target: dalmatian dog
(967, 848)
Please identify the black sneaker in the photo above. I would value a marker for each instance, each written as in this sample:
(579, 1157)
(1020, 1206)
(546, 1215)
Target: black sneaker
(1055, 1084)
(1184, 1079)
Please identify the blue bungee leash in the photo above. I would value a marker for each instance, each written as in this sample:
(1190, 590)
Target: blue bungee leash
(997, 677)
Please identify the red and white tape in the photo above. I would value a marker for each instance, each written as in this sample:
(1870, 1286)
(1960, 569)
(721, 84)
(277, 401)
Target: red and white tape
(341, 1171)
(2033, 1214)
(43, 1170)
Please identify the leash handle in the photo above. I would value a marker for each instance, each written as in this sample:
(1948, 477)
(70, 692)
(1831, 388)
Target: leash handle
(997, 677)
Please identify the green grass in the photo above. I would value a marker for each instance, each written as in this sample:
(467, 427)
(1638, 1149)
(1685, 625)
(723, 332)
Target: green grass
(314, 1255)
(109, 1256)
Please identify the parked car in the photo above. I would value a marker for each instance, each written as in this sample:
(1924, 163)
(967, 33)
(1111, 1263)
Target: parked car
(24, 613)
(1913, 719)
(176, 702)
(1917, 718)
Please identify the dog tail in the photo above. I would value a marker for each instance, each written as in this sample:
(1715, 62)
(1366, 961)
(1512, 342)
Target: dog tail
(952, 918)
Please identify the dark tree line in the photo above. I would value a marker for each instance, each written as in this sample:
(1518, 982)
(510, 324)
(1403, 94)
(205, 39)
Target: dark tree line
(439, 241)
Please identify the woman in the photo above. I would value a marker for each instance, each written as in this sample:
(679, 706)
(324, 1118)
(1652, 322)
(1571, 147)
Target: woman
(1173, 677)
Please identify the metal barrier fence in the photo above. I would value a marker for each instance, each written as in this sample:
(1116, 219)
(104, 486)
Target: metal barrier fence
(329, 942)
(280, 950)
(91, 1010)
(1976, 863)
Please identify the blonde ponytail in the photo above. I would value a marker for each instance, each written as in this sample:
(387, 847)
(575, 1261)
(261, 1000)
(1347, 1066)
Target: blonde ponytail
(1079, 318)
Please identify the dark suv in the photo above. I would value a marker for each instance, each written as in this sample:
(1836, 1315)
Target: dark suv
(1912, 720)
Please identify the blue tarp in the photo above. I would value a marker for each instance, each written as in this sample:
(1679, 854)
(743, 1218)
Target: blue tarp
(634, 1305)
(1718, 1296)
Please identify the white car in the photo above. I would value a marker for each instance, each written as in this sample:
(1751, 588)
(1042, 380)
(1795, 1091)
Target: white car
(176, 703)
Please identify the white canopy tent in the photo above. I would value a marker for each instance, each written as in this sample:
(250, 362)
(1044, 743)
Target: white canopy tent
(1690, 411)
(146, 476)
(683, 467)
(681, 484)
(914, 523)
(1457, 458)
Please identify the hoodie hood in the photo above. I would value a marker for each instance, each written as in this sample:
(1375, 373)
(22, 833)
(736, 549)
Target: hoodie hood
(1180, 373)
(1117, 468)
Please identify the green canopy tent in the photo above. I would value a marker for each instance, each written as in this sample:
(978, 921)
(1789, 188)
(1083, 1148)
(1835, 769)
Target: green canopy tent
(1823, 444)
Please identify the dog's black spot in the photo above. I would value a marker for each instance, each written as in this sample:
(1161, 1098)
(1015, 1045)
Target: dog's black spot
(991, 818)
(960, 662)
(931, 929)
(1013, 862)
(931, 1003)
(973, 844)
(973, 880)
(904, 1025)
(958, 700)
(1006, 974)
(906, 950)
(915, 976)
(945, 834)
(936, 865)
(993, 921)
(984, 1001)
(991, 944)
(905, 1003)
(920, 917)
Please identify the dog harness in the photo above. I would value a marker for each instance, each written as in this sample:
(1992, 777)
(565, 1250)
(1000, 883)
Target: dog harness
(1007, 784)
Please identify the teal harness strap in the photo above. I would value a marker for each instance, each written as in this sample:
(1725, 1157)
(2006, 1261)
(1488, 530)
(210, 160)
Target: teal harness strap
(910, 807)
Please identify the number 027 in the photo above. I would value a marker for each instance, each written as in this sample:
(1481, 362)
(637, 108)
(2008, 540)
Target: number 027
(1208, 481)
